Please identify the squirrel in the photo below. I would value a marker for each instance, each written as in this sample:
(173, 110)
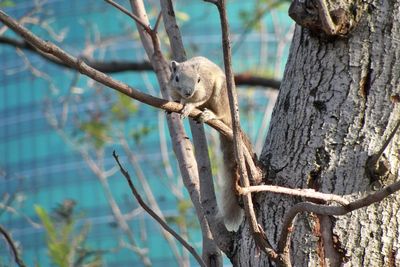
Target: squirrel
(200, 83)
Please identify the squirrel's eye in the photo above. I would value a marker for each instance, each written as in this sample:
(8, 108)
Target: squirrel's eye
(198, 80)
(176, 79)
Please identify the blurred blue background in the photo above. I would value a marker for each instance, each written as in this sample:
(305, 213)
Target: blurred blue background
(58, 128)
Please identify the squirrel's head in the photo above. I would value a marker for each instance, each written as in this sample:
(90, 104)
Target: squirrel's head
(185, 78)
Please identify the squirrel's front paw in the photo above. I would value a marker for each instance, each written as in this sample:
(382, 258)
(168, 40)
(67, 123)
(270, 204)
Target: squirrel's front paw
(207, 115)
(186, 110)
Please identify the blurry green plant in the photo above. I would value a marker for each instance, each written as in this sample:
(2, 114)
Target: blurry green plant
(6, 3)
(66, 245)
(141, 131)
(123, 108)
(98, 129)
(186, 215)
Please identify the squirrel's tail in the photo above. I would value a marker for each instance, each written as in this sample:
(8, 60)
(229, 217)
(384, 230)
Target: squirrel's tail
(232, 213)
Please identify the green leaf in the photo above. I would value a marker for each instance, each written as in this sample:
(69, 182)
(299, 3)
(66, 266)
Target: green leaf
(123, 108)
(7, 3)
(182, 16)
(97, 131)
(184, 205)
(59, 253)
(140, 132)
(47, 222)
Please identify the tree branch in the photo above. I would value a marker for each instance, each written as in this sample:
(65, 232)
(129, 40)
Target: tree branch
(148, 193)
(284, 241)
(308, 193)
(257, 233)
(213, 229)
(252, 80)
(245, 79)
(154, 215)
(181, 144)
(82, 67)
(145, 26)
(13, 247)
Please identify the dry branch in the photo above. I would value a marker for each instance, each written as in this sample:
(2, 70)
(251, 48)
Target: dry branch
(330, 210)
(17, 257)
(308, 193)
(82, 67)
(133, 16)
(181, 144)
(116, 66)
(257, 233)
(154, 215)
(214, 233)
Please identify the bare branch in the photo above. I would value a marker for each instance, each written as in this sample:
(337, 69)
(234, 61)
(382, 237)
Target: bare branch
(154, 215)
(252, 80)
(181, 144)
(330, 210)
(13, 247)
(155, 28)
(214, 233)
(133, 16)
(257, 233)
(372, 164)
(148, 193)
(245, 79)
(82, 67)
(308, 193)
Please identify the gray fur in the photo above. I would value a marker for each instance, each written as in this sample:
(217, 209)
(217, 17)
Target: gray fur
(199, 83)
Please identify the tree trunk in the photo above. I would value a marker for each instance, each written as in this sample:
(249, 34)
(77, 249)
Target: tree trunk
(336, 107)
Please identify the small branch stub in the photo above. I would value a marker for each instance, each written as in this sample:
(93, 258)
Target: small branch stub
(327, 18)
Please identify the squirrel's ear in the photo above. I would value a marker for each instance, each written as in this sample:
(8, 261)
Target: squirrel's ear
(174, 65)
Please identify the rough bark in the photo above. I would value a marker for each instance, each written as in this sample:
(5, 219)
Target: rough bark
(336, 107)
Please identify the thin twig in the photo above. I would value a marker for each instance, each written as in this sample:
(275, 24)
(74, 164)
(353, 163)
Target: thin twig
(10, 242)
(330, 210)
(133, 16)
(372, 162)
(154, 215)
(155, 28)
(257, 233)
(308, 193)
(148, 193)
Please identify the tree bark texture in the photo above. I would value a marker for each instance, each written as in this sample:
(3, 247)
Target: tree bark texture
(336, 107)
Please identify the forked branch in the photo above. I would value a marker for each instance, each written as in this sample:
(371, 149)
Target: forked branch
(284, 241)
(82, 67)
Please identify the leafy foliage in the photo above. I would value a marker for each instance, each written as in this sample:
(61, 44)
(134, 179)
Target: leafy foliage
(65, 244)
(6, 3)
(140, 132)
(186, 216)
(98, 129)
(123, 107)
